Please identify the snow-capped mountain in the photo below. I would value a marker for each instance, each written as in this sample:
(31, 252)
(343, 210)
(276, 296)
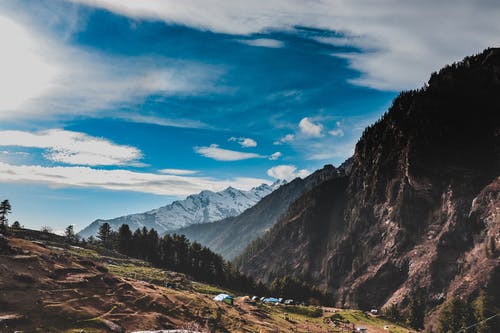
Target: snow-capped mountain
(206, 206)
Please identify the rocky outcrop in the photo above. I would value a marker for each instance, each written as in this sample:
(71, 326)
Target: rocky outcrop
(419, 209)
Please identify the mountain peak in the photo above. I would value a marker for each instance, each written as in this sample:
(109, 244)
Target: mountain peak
(206, 206)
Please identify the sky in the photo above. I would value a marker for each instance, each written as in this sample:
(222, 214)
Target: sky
(112, 107)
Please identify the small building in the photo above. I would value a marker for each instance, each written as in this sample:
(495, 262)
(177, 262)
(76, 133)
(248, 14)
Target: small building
(224, 298)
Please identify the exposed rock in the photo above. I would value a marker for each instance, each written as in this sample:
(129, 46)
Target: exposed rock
(417, 208)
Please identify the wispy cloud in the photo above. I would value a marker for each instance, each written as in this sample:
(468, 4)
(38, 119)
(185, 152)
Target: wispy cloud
(244, 142)
(275, 156)
(119, 180)
(308, 128)
(160, 121)
(219, 154)
(73, 147)
(401, 41)
(287, 172)
(42, 77)
(263, 42)
(338, 131)
(286, 139)
(180, 172)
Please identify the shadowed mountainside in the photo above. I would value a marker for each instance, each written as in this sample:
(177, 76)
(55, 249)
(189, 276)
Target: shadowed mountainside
(230, 236)
(419, 209)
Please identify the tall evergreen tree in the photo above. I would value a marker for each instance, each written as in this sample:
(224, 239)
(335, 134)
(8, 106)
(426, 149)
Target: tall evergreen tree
(5, 209)
(125, 239)
(416, 310)
(483, 309)
(104, 234)
(456, 315)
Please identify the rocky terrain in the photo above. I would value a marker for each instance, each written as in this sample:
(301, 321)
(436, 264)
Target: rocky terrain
(47, 285)
(230, 236)
(420, 209)
(206, 206)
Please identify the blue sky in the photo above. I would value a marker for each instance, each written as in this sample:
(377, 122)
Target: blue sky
(113, 107)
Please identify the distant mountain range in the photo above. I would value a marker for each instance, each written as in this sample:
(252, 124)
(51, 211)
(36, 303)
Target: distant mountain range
(416, 220)
(207, 206)
(230, 236)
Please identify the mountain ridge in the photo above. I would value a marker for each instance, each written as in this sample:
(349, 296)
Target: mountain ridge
(203, 207)
(418, 211)
(230, 236)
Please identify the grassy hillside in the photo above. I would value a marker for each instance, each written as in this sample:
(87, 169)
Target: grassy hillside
(49, 286)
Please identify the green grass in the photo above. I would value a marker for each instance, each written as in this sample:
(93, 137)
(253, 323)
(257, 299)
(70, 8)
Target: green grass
(306, 311)
(85, 253)
(359, 318)
(143, 273)
(208, 289)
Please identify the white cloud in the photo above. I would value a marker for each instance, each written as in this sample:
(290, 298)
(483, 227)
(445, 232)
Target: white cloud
(337, 131)
(219, 154)
(25, 74)
(179, 172)
(119, 180)
(403, 41)
(286, 139)
(275, 156)
(72, 147)
(263, 42)
(161, 121)
(309, 128)
(244, 142)
(287, 172)
(42, 77)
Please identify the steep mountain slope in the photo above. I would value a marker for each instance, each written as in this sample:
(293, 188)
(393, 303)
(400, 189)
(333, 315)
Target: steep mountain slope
(230, 236)
(207, 206)
(420, 208)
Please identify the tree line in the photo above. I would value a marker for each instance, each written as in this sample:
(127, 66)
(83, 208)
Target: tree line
(177, 253)
(456, 315)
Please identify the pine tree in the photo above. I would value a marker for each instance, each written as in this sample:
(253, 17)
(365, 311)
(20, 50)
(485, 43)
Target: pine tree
(455, 316)
(125, 239)
(483, 309)
(416, 310)
(392, 312)
(5, 209)
(70, 234)
(104, 234)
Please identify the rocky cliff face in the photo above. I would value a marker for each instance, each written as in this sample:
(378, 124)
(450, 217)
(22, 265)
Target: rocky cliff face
(420, 208)
(230, 236)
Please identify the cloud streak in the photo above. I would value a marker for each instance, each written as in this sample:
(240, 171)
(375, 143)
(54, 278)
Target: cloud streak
(219, 154)
(118, 180)
(402, 41)
(43, 77)
(73, 147)
(263, 42)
